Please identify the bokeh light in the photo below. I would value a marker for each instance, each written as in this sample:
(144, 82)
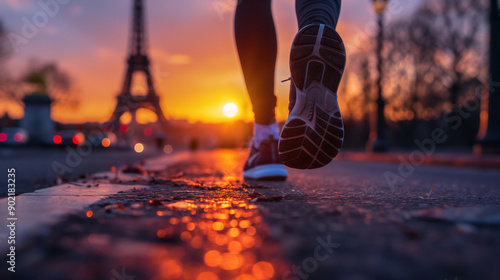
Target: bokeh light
(79, 138)
(123, 128)
(222, 237)
(18, 137)
(148, 131)
(57, 139)
(106, 142)
(213, 258)
(139, 148)
(171, 269)
(168, 149)
(207, 275)
(263, 270)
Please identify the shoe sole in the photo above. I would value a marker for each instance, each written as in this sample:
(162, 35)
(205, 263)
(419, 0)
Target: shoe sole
(314, 132)
(267, 172)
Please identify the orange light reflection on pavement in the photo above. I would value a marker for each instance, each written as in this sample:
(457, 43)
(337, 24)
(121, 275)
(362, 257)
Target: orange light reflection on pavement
(222, 241)
(213, 231)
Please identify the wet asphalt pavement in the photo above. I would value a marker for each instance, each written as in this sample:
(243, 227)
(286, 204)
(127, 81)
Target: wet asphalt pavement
(199, 220)
(36, 166)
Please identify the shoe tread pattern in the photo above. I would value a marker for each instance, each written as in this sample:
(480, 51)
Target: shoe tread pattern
(303, 144)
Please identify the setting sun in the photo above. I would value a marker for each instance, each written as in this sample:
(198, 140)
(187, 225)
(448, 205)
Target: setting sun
(230, 110)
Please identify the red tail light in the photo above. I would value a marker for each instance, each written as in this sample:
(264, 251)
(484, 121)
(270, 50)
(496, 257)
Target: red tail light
(57, 139)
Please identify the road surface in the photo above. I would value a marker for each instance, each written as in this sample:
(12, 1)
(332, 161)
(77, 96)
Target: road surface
(36, 166)
(197, 219)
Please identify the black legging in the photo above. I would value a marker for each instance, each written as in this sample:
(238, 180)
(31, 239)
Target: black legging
(257, 46)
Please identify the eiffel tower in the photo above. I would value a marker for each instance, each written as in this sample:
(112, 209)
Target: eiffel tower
(138, 61)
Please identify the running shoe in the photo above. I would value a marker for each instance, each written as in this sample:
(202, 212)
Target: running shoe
(264, 162)
(314, 132)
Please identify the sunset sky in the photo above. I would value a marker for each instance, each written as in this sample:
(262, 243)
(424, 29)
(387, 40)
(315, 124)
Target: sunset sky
(191, 45)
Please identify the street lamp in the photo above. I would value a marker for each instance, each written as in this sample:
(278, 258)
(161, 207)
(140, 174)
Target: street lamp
(491, 141)
(379, 6)
(378, 142)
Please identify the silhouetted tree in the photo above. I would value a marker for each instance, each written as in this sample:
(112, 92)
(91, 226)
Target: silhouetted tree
(432, 58)
(42, 78)
(413, 80)
(4, 53)
(3, 42)
(460, 25)
(358, 73)
(359, 83)
(48, 77)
